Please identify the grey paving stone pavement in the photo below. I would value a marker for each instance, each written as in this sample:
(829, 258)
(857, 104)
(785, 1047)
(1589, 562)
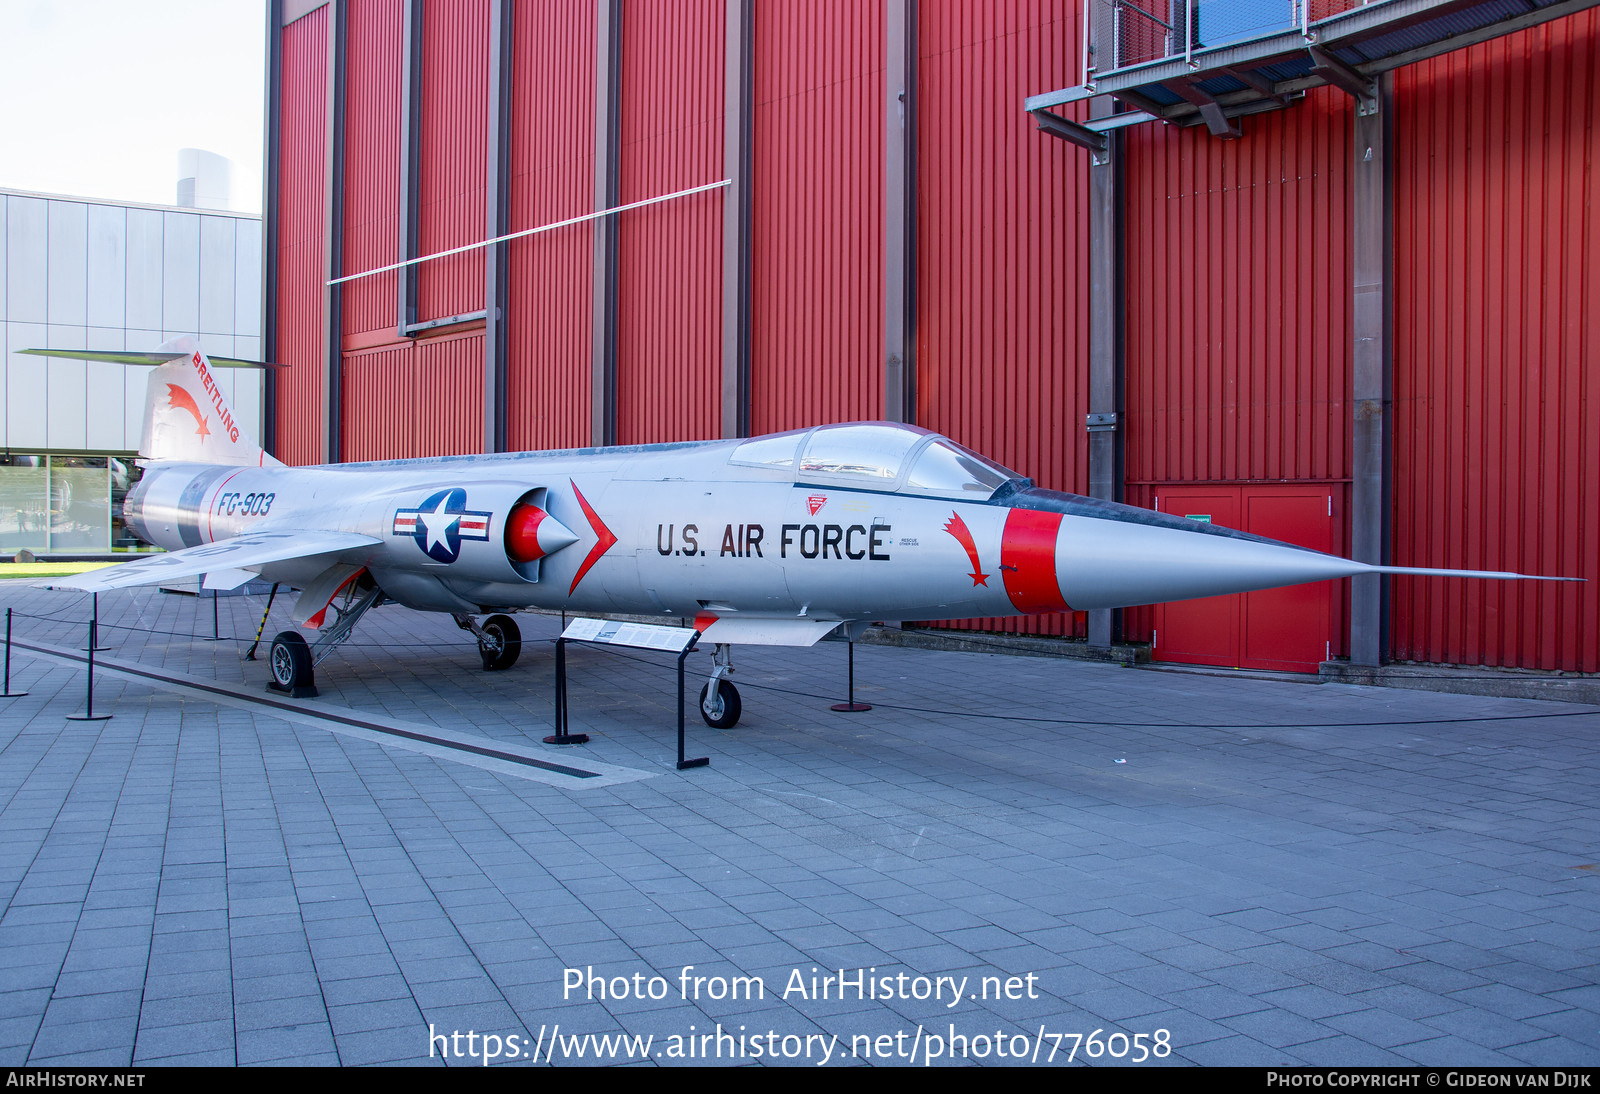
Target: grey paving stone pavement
(1217, 870)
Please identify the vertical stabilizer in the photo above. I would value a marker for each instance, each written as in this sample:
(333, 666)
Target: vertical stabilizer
(186, 416)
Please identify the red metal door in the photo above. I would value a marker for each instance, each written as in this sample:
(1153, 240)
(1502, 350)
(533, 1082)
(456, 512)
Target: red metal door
(1286, 630)
(1199, 632)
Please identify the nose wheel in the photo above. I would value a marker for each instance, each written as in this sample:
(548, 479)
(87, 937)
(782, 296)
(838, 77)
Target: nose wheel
(720, 709)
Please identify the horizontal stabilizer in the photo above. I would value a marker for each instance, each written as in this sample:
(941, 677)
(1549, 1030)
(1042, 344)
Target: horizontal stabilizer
(132, 357)
(243, 552)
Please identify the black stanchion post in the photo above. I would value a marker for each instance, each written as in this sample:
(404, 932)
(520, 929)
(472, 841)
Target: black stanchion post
(250, 654)
(89, 715)
(214, 628)
(94, 629)
(561, 736)
(703, 760)
(8, 693)
(852, 707)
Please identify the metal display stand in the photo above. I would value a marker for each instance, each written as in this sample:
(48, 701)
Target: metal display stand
(88, 714)
(850, 706)
(94, 631)
(601, 632)
(6, 692)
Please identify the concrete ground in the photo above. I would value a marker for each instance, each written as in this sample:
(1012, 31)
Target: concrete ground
(1104, 862)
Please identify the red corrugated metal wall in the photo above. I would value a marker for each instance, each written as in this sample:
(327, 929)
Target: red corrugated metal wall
(373, 94)
(1497, 412)
(669, 276)
(816, 324)
(378, 398)
(391, 395)
(551, 301)
(380, 405)
(302, 167)
(449, 373)
(1238, 308)
(389, 381)
(455, 103)
(1238, 298)
(1002, 247)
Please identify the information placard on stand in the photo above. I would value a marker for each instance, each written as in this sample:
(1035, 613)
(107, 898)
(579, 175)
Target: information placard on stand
(612, 632)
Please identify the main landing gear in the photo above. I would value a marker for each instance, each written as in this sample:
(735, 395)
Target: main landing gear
(293, 670)
(719, 699)
(499, 640)
(293, 662)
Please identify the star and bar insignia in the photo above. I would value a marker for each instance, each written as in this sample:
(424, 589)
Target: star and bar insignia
(441, 523)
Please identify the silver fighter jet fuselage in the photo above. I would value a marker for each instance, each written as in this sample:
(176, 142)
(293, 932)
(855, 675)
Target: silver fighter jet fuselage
(772, 540)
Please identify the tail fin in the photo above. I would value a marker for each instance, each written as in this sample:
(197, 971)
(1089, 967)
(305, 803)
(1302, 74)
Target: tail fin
(186, 416)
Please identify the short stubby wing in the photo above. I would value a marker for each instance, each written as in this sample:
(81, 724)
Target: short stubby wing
(242, 552)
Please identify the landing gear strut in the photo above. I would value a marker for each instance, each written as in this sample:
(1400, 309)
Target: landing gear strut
(719, 699)
(293, 663)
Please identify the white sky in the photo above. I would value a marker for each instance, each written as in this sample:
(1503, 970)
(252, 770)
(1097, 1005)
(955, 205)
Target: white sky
(97, 96)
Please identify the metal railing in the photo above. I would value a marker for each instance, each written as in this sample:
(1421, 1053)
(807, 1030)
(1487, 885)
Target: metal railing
(1141, 31)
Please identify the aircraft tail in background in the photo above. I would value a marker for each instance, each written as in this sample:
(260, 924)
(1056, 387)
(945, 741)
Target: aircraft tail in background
(186, 416)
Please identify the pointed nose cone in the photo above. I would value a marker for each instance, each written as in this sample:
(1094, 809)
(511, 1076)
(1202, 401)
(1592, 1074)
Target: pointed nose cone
(1113, 563)
(531, 534)
(1117, 556)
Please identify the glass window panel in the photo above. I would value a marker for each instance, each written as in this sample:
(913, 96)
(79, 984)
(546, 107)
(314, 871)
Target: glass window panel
(124, 475)
(776, 451)
(80, 504)
(947, 469)
(871, 452)
(24, 503)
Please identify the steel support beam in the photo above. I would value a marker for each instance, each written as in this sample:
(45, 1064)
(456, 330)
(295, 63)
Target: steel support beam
(1372, 373)
(1363, 89)
(900, 214)
(1107, 270)
(1080, 135)
(271, 170)
(607, 148)
(1211, 113)
(333, 240)
(497, 204)
(410, 164)
(738, 96)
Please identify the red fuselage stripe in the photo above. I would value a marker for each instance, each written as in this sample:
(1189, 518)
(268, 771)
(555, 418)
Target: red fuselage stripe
(1028, 561)
(211, 507)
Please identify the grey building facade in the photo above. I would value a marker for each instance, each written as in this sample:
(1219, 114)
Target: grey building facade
(80, 273)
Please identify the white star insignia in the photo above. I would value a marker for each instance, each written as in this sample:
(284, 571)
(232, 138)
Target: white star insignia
(438, 523)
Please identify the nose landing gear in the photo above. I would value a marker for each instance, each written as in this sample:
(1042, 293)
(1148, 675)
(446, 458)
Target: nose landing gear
(719, 699)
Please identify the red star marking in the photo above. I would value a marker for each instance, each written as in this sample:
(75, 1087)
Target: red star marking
(958, 528)
(606, 538)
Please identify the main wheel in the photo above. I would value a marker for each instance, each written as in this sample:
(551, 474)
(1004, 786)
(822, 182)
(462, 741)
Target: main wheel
(500, 644)
(722, 712)
(291, 662)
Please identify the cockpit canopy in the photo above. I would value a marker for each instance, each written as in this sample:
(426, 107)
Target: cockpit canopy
(885, 456)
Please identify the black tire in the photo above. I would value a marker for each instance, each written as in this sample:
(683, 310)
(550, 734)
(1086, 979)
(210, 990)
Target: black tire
(501, 643)
(290, 662)
(731, 706)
